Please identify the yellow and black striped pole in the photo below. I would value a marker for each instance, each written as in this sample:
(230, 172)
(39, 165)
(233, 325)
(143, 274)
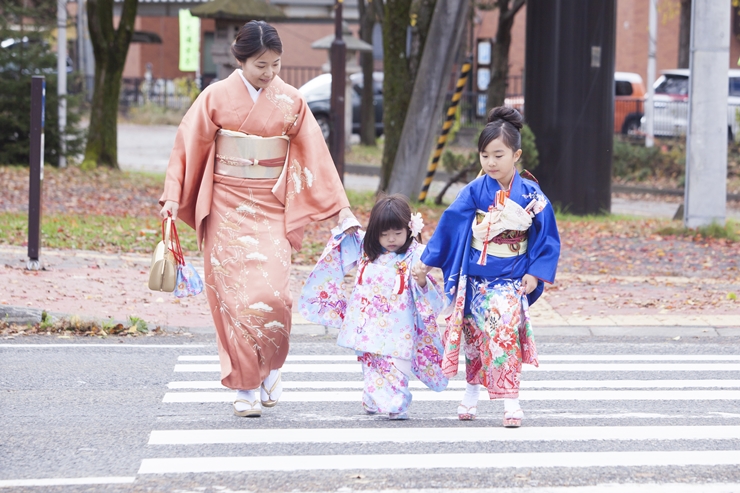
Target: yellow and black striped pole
(449, 119)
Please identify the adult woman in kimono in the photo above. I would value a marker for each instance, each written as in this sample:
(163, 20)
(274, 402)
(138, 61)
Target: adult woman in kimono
(249, 169)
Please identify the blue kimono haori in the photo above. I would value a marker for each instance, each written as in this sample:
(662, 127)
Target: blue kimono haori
(387, 318)
(485, 242)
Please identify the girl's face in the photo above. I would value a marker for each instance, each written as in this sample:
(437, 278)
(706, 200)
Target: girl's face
(393, 239)
(499, 161)
(260, 70)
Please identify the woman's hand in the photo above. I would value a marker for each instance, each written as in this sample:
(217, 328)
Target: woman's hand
(529, 283)
(169, 209)
(419, 272)
(346, 213)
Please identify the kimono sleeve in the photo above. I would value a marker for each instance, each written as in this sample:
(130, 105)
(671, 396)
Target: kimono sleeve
(543, 250)
(427, 358)
(323, 297)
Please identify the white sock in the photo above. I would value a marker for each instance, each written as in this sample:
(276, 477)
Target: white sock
(247, 395)
(271, 379)
(511, 405)
(472, 393)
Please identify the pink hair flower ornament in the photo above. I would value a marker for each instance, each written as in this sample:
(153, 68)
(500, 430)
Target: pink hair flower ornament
(416, 224)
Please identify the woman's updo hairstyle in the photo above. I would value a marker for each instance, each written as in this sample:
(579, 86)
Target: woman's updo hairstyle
(505, 123)
(253, 39)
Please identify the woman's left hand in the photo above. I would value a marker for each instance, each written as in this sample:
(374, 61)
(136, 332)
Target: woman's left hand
(529, 283)
(346, 213)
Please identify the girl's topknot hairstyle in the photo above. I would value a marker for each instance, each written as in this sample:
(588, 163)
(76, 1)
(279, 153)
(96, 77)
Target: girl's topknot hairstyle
(505, 123)
(253, 39)
(389, 212)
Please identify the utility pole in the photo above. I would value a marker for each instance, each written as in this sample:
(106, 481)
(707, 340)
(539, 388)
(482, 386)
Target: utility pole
(652, 42)
(338, 83)
(705, 199)
(62, 78)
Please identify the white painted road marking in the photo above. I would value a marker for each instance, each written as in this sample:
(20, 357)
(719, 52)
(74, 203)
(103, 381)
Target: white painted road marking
(575, 367)
(455, 395)
(461, 384)
(439, 435)
(542, 357)
(438, 461)
(18, 483)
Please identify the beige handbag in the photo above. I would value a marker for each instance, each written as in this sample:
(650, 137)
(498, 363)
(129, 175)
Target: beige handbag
(163, 271)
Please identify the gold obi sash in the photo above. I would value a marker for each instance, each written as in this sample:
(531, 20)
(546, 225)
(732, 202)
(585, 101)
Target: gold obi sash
(509, 243)
(249, 156)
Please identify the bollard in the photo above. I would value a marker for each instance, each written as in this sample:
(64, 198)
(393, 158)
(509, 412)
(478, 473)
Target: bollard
(442, 140)
(36, 172)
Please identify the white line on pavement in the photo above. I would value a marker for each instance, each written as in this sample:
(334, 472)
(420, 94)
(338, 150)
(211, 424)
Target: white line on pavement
(137, 346)
(461, 384)
(456, 395)
(542, 357)
(439, 435)
(438, 461)
(17, 483)
(575, 367)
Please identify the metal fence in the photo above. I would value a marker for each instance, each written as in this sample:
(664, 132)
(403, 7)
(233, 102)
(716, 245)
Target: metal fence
(160, 92)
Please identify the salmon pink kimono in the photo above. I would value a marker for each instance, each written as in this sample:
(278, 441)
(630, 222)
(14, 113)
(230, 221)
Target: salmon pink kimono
(247, 227)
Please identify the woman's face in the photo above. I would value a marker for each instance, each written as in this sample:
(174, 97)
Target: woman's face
(499, 161)
(260, 70)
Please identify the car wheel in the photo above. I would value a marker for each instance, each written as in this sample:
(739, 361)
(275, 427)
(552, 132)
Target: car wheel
(631, 125)
(323, 121)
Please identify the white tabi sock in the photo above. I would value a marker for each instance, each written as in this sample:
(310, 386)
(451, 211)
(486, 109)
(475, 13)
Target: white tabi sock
(472, 392)
(511, 405)
(247, 395)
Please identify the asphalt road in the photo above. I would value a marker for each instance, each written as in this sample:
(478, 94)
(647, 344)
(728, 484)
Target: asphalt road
(149, 415)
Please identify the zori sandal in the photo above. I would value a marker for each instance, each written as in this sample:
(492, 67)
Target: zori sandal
(513, 419)
(253, 411)
(465, 413)
(266, 396)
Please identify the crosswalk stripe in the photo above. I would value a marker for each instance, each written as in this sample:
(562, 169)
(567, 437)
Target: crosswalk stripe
(574, 367)
(456, 395)
(438, 461)
(442, 435)
(461, 384)
(542, 357)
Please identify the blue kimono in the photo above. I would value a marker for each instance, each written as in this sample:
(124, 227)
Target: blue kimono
(488, 306)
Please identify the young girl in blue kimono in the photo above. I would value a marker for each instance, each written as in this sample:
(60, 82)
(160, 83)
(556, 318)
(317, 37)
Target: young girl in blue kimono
(390, 318)
(497, 245)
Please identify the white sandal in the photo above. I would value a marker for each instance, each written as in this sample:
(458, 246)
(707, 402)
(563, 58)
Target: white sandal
(254, 411)
(465, 413)
(513, 419)
(277, 388)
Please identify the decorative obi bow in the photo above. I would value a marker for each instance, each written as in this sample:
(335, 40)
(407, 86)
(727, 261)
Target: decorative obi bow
(506, 222)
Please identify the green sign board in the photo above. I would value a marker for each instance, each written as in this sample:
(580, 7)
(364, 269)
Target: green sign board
(189, 42)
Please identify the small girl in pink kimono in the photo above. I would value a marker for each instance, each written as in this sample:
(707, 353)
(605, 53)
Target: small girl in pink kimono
(390, 317)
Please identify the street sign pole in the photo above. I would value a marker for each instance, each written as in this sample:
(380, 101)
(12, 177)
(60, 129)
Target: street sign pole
(338, 83)
(36, 165)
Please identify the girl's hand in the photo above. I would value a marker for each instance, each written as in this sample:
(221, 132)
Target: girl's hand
(529, 283)
(170, 209)
(346, 213)
(419, 271)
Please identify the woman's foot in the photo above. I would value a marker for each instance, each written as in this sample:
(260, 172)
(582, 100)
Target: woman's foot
(467, 409)
(513, 419)
(465, 413)
(271, 389)
(246, 405)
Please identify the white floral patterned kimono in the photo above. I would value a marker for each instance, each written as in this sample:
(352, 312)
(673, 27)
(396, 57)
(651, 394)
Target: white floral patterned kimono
(387, 319)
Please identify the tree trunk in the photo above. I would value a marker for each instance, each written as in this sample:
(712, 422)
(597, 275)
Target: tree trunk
(397, 83)
(500, 53)
(684, 35)
(110, 47)
(367, 108)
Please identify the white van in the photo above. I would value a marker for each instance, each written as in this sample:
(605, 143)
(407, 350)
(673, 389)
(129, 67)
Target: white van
(671, 103)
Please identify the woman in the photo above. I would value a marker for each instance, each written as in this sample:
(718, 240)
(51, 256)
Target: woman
(249, 169)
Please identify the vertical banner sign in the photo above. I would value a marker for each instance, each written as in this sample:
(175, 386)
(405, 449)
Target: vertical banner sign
(189, 42)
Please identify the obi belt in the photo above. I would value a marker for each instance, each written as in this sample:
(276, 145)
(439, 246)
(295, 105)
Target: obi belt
(249, 156)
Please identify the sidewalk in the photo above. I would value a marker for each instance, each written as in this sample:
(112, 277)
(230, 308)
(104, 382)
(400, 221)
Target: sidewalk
(96, 286)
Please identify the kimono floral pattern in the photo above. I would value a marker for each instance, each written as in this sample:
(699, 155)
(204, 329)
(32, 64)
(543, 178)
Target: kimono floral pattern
(385, 314)
(498, 336)
(386, 388)
(244, 247)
